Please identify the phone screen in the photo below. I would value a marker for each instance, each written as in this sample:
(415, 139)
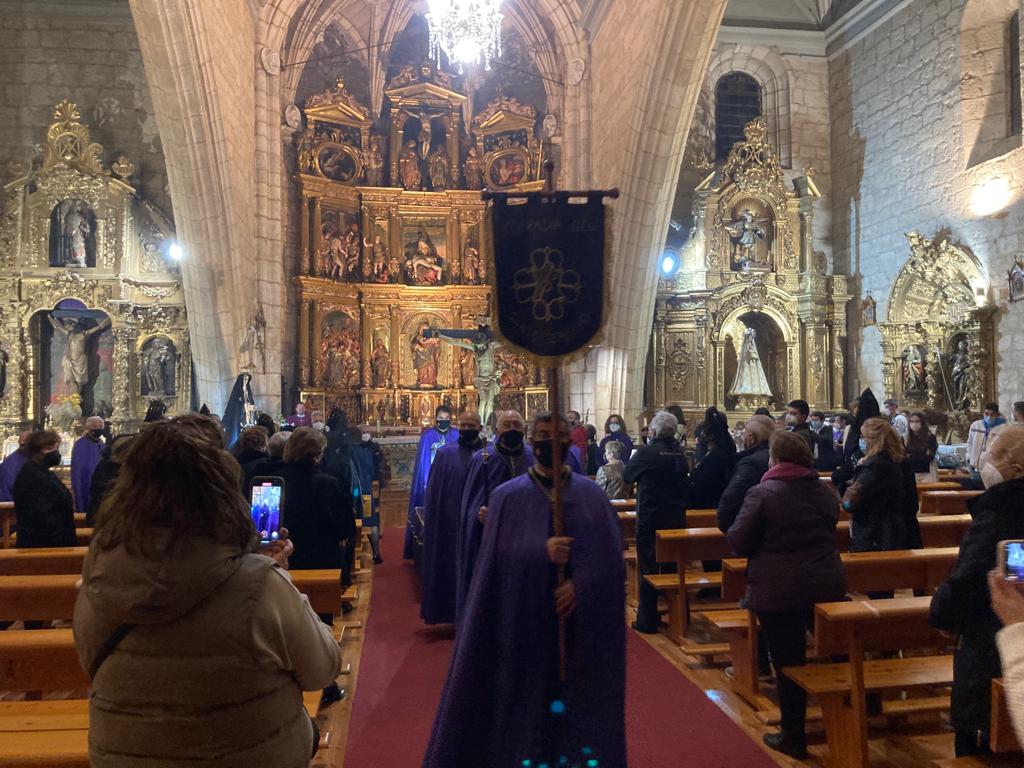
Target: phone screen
(265, 507)
(1014, 558)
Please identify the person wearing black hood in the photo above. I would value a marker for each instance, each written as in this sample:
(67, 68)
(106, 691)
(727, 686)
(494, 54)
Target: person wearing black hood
(338, 456)
(718, 452)
(865, 408)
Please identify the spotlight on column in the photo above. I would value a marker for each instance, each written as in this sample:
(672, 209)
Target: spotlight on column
(175, 251)
(669, 262)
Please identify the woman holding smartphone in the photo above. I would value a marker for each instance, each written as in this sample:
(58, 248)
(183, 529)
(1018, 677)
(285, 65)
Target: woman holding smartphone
(962, 603)
(198, 647)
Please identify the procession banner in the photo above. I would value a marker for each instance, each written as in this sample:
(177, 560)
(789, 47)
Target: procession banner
(549, 272)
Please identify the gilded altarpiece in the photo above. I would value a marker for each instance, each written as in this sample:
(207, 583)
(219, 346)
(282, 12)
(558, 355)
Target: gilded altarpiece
(939, 333)
(750, 269)
(91, 303)
(381, 264)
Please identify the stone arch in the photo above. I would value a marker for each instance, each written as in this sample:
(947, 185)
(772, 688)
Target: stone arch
(985, 99)
(767, 67)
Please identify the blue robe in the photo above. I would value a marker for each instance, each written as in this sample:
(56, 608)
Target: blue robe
(441, 511)
(495, 709)
(85, 455)
(574, 461)
(430, 442)
(9, 470)
(482, 479)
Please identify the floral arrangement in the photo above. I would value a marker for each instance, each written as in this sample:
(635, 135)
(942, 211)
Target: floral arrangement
(63, 414)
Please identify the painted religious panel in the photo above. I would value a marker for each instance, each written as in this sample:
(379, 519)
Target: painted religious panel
(425, 249)
(339, 162)
(72, 234)
(506, 168)
(339, 350)
(340, 244)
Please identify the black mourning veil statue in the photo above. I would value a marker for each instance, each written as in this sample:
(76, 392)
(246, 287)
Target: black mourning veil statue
(241, 409)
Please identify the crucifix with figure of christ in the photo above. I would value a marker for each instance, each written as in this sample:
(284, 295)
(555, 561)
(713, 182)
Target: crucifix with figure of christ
(481, 343)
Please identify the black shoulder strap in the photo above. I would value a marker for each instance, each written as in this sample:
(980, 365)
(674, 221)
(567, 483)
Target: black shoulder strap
(108, 647)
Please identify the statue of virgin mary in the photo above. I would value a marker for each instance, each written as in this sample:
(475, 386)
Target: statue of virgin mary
(750, 387)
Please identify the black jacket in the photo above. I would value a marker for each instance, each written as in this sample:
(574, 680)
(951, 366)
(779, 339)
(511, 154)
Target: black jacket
(101, 483)
(876, 503)
(751, 465)
(249, 460)
(921, 458)
(660, 472)
(827, 459)
(710, 478)
(962, 603)
(804, 430)
(318, 516)
(787, 529)
(43, 509)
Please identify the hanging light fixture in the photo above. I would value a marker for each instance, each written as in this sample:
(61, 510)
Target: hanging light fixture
(469, 31)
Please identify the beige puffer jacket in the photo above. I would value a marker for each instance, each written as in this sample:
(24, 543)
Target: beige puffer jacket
(213, 670)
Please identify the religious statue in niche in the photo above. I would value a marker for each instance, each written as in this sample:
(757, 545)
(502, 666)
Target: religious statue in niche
(750, 387)
(913, 370)
(426, 353)
(380, 363)
(373, 161)
(515, 372)
(158, 359)
(424, 256)
(962, 374)
(467, 366)
(339, 351)
(409, 167)
(473, 169)
(379, 265)
(75, 361)
(72, 235)
(473, 270)
(340, 245)
(438, 167)
(747, 234)
(1016, 279)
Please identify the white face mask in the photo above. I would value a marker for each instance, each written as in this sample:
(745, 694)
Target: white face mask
(366, 437)
(318, 425)
(990, 475)
(615, 427)
(790, 420)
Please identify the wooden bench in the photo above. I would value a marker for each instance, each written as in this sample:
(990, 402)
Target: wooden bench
(941, 485)
(946, 502)
(865, 572)
(853, 628)
(82, 537)
(1002, 737)
(26, 562)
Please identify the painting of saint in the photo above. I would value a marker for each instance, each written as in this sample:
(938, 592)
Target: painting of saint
(72, 235)
(424, 256)
(506, 170)
(426, 354)
(337, 164)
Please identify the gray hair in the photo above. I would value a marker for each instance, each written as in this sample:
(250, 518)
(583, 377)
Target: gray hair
(614, 449)
(275, 445)
(664, 424)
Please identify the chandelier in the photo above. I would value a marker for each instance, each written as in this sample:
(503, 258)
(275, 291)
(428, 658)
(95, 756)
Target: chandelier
(469, 31)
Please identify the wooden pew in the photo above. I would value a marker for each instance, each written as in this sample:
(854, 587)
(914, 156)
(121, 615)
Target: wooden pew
(7, 520)
(865, 572)
(853, 628)
(26, 562)
(695, 518)
(80, 520)
(946, 502)
(82, 537)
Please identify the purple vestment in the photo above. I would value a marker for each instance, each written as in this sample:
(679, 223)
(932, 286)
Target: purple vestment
(305, 420)
(496, 707)
(9, 470)
(442, 505)
(85, 455)
(431, 441)
(575, 461)
(484, 476)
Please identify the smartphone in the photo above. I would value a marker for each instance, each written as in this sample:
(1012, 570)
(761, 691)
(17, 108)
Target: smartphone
(266, 496)
(1011, 559)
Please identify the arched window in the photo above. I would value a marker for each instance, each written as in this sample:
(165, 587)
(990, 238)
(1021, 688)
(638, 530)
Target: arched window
(737, 102)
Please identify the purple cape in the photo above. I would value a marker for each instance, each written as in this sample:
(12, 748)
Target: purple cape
(430, 442)
(9, 470)
(441, 507)
(483, 478)
(574, 460)
(85, 455)
(496, 707)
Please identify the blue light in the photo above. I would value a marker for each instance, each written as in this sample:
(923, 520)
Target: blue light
(587, 751)
(669, 263)
(591, 763)
(557, 707)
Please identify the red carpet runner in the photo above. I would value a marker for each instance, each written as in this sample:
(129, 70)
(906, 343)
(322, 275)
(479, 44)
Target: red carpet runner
(670, 722)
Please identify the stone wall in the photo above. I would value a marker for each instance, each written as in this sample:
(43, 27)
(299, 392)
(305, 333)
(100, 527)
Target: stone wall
(903, 159)
(85, 51)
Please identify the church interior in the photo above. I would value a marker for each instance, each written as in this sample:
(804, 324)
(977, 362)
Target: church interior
(294, 214)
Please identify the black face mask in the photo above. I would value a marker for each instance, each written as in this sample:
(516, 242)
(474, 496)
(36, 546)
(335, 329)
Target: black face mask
(469, 436)
(443, 425)
(544, 452)
(511, 440)
(96, 433)
(51, 459)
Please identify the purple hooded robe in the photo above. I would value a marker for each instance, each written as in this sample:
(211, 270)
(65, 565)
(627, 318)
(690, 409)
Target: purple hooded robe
(431, 441)
(85, 455)
(442, 505)
(497, 706)
(485, 475)
(9, 470)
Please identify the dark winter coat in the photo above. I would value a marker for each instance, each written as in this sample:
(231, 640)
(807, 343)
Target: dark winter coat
(43, 509)
(318, 516)
(751, 465)
(710, 478)
(787, 529)
(662, 485)
(827, 459)
(962, 603)
(875, 502)
(249, 459)
(102, 482)
(921, 458)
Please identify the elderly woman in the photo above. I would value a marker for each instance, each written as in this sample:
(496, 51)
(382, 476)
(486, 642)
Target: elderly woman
(962, 603)
(787, 529)
(660, 473)
(609, 475)
(42, 505)
(191, 638)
